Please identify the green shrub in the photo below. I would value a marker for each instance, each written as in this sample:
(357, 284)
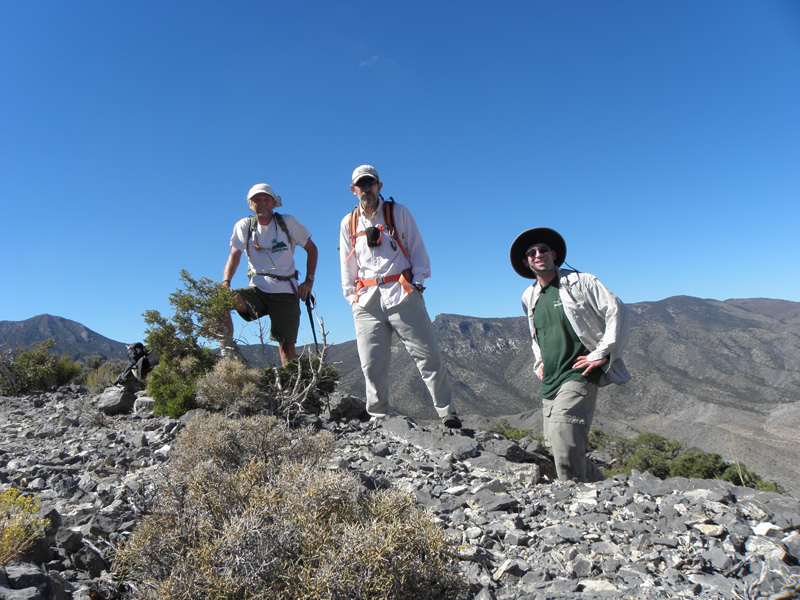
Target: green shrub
(172, 384)
(698, 464)
(249, 511)
(513, 433)
(35, 369)
(19, 525)
(669, 458)
(104, 375)
(200, 309)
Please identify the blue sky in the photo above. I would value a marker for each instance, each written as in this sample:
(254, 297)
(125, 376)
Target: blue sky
(662, 139)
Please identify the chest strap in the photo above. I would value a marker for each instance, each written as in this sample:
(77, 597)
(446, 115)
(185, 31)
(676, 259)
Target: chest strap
(404, 278)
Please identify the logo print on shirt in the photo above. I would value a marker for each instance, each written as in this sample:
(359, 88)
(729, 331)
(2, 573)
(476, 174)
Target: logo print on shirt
(278, 246)
(557, 303)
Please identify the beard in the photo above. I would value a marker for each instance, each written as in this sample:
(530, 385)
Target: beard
(368, 200)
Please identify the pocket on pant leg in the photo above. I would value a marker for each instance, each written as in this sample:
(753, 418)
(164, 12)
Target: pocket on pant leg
(574, 404)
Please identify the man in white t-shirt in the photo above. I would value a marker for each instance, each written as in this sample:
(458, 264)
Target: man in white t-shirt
(269, 245)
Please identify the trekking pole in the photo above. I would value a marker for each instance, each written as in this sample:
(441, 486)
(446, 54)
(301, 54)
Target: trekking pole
(310, 301)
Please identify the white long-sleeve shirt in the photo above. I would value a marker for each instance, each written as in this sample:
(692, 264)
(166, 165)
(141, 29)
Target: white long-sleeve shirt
(383, 260)
(599, 319)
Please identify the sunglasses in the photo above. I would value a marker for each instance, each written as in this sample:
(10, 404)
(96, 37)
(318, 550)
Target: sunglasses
(366, 183)
(539, 250)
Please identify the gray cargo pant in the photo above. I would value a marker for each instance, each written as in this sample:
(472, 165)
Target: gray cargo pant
(409, 319)
(567, 418)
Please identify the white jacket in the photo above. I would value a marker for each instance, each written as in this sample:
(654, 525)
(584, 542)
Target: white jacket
(600, 320)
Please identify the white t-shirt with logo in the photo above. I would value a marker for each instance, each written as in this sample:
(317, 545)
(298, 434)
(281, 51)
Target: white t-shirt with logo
(271, 252)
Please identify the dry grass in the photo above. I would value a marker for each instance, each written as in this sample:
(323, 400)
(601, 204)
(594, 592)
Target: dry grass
(232, 388)
(249, 512)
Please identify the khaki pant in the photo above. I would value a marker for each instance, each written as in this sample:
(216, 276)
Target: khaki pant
(410, 321)
(567, 419)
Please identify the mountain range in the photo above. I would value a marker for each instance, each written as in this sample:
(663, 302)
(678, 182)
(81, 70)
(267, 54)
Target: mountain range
(722, 376)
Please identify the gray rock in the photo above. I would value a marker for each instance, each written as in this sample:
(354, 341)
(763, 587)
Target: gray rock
(115, 401)
(342, 407)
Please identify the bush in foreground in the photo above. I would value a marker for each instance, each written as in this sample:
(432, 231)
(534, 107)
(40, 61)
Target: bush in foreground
(235, 389)
(248, 511)
(19, 525)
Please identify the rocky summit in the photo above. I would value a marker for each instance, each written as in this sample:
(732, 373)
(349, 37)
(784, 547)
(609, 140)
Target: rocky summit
(95, 462)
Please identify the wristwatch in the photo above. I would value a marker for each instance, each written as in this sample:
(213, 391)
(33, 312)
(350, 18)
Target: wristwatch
(310, 278)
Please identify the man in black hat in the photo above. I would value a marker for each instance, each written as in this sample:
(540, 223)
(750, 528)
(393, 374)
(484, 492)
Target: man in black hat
(578, 330)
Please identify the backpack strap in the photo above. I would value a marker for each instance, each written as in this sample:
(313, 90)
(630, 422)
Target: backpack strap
(284, 228)
(353, 227)
(388, 217)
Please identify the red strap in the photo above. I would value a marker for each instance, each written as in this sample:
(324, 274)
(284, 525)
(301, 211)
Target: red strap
(404, 278)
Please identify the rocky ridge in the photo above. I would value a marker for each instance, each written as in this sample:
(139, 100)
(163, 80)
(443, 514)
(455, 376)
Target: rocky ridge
(517, 533)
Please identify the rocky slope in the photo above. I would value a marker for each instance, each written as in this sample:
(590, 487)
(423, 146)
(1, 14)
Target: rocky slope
(517, 533)
(720, 376)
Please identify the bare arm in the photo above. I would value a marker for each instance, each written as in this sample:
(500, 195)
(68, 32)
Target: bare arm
(304, 289)
(230, 266)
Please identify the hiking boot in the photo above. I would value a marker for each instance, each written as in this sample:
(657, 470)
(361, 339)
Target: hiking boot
(451, 421)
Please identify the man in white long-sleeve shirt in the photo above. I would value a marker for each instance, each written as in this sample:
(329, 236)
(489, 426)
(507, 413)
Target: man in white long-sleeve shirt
(384, 268)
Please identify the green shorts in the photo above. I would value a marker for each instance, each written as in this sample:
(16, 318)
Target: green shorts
(283, 311)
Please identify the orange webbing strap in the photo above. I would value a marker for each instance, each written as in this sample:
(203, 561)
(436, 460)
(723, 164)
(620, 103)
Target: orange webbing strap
(353, 227)
(388, 217)
(404, 278)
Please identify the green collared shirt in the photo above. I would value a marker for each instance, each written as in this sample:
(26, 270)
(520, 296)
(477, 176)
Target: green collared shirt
(559, 344)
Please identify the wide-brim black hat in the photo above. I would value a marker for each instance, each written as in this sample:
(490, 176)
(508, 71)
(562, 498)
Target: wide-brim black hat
(537, 235)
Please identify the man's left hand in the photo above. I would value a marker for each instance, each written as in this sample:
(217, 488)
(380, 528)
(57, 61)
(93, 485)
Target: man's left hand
(304, 289)
(586, 365)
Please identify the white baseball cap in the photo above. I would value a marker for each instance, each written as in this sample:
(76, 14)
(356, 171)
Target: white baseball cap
(365, 171)
(264, 188)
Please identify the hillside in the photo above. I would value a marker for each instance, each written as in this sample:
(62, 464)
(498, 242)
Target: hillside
(74, 340)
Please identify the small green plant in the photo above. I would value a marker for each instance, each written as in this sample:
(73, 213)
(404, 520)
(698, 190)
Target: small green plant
(247, 510)
(35, 369)
(200, 309)
(513, 433)
(19, 525)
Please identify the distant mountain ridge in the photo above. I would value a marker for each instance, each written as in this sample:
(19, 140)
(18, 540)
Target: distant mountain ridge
(74, 339)
(723, 376)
